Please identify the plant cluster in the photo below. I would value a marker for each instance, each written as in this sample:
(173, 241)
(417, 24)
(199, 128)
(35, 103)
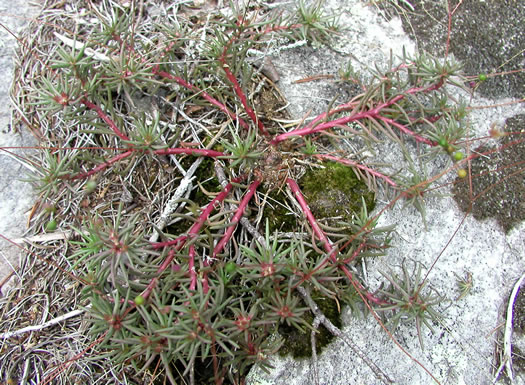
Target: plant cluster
(156, 154)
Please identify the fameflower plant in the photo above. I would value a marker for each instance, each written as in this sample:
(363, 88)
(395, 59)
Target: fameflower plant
(158, 156)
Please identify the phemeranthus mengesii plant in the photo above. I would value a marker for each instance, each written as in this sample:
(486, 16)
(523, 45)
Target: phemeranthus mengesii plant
(157, 143)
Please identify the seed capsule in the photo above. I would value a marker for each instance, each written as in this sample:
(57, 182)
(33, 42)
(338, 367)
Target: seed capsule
(230, 267)
(51, 225)
(462, 173)
(90, 186)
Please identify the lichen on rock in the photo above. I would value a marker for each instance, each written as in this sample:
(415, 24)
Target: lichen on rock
(497, 180)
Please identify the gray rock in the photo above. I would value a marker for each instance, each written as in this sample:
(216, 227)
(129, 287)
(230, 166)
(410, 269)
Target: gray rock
(16, 196)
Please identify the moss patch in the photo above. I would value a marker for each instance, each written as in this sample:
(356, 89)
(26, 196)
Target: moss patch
(331, 192)
(497, 180)
(335, 191)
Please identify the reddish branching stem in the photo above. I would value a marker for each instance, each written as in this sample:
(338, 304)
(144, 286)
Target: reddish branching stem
(327, 245)
(179, 243)
(236, 218)
(240, 94)
(102, 166)
(356, 252)
(374, 113)
(105, 118)
(308, 130)
(350, 106)
(173, 242)
(190, 151)
(405, 130)
(318, 232)
(191, 267)
(167, 151)
(359, 166)
(204, 94)
(194, 230)
(277, 28)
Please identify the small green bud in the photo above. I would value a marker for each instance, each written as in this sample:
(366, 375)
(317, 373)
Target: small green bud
(482, 77)
(51, 225)
(443, 142)
(90, 186)
(139, 300)
(462, 173)
(458, 156)
(230, 267)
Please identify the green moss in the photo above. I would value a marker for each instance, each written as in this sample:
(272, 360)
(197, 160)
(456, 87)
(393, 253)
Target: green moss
(297, 343)
(331, 192)
(335, 191)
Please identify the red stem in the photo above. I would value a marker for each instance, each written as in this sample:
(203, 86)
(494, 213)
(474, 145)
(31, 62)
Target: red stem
(236, 218)
(276, 28)
(167, 151)
(189, 151)
(191, 267)
(171, 254)
(161, 245)
(180, 241)
(240, 92)
(327, 245)
(194, 230)
(105, 118)
(402, 128)
(356, 252)
(103, 165)
(371, 114)
(344, 107)
(308, 130)
(311, 219)
(204, 94)
(357, 165)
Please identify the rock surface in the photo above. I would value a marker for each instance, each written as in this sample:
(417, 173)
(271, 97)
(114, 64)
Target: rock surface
(16, 196)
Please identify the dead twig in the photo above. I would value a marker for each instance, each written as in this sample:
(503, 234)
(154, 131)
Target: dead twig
(338, 333)
(47, 324)
(506, 362)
